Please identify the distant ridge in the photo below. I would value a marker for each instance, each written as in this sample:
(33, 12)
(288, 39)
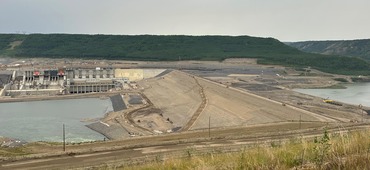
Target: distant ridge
(353, 48)
(173, 47)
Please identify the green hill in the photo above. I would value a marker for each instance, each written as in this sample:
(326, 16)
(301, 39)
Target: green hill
(159, 48)
(353, 48)
(144, 47)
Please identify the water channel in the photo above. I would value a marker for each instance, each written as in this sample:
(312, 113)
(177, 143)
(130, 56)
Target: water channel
(357, 93)
(43, 120)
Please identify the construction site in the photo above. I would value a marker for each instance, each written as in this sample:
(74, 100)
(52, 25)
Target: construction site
(187, 98)
(183, 97)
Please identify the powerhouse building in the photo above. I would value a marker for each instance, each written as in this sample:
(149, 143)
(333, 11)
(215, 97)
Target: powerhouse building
(72, 80)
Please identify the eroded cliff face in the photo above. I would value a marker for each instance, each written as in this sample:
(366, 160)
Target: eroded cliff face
(354, 48)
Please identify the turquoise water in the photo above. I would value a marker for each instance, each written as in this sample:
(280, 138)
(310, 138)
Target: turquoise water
(357, 93)
(43, 120)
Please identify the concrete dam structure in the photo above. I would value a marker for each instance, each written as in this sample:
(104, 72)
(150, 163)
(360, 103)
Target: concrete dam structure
(71, 80)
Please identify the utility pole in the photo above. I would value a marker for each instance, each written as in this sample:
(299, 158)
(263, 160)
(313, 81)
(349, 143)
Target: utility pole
(209, 126)
(362, 115)
(64, 138)
(179, 64)
(300, 121)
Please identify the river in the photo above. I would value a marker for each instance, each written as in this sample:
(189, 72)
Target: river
(43, 120)
(357, 93)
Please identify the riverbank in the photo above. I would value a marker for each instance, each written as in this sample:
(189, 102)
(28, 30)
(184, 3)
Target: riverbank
(354, 93)
(104, 125)
(60, 97)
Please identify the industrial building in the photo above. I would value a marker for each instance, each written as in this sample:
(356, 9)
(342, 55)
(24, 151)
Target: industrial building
(70, 80)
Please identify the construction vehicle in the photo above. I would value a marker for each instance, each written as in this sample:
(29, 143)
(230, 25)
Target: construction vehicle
(332, 102)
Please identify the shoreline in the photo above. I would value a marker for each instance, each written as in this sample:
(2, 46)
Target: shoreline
(61, 97)
(99, 130)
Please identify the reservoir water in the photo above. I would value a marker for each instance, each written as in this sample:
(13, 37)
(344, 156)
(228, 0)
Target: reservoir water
(43, 120)
(357, 93)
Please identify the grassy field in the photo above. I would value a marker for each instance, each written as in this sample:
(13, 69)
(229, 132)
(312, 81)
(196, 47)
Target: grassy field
(329, 151)
(12, 152)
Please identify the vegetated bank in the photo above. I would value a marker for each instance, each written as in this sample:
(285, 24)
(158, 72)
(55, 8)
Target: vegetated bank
(353, 48)
(329, 151)
(172, 48)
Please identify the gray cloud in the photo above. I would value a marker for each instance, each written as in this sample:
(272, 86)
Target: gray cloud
(287, 20)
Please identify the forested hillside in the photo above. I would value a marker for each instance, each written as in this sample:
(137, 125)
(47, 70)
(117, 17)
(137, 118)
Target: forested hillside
(144, 47)
(353, 48)
(159, 48)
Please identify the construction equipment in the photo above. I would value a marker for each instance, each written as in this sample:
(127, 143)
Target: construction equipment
(332, 102)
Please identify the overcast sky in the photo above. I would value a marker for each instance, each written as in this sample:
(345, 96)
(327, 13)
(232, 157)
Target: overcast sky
(286, 20)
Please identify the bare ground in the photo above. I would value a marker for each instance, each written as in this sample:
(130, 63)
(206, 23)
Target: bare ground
(230, 107)
(176, 95)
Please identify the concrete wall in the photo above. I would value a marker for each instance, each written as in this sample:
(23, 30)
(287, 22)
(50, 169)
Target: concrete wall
(131, 74)
(3, 91)
(149, 73)
(41, 92)
(137, 74)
